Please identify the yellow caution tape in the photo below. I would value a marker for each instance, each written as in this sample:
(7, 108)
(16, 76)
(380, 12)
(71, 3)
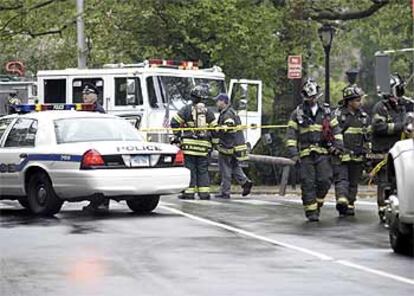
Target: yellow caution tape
(376, 170)
(216, 128)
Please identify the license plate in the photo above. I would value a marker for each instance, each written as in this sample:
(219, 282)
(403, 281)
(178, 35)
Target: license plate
(140, 161)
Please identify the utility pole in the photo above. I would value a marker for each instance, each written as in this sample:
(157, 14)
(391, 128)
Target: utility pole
(81, 35)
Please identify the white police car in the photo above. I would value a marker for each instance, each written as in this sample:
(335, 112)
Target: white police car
(50, 157)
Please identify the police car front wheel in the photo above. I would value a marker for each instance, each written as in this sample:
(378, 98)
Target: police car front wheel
(143, 204)
(41, 196)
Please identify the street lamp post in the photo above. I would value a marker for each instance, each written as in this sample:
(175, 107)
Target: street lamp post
(326, 34)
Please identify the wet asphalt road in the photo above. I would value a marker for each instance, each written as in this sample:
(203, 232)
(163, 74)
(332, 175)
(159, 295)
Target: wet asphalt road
(256, 246)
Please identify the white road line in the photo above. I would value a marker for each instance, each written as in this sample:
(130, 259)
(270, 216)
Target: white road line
(376, 271)
(318, 255)
(247, 233)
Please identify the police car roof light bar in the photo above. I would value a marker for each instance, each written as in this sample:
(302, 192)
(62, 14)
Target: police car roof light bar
(27, 108)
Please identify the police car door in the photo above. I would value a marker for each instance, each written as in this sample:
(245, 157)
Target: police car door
(246, 98)
(5, 125)
(19, 141)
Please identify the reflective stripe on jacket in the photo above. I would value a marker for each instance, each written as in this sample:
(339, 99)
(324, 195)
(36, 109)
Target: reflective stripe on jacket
(231, 141)
(356, 131)
(387, 125)
(305, 131)
(198, 142)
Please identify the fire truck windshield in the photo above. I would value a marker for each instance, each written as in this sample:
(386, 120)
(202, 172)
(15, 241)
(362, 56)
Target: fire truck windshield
(175, 91)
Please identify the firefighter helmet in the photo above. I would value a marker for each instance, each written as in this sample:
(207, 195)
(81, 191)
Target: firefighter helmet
(352, 92)
(397, 85)
(199, 93)
(310, 89)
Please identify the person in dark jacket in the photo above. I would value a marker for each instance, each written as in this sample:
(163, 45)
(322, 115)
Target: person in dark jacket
(388, 116)
(90, 96)
(313, 134)
(355, 128)
(195, 144)
(232, 148)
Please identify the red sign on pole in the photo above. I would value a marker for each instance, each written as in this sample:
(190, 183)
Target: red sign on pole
(295, 67)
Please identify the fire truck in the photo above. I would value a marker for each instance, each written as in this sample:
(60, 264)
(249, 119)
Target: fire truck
(24, 88)
(150, 93)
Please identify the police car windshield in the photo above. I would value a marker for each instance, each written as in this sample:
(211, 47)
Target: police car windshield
(71, 130)
(176, 90)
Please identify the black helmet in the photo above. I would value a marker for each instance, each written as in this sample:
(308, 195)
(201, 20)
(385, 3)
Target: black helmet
(199, 93)
(352, 92)
(397, 85)
(310, 89)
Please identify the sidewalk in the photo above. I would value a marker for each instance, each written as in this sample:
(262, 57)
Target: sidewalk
(364, 191)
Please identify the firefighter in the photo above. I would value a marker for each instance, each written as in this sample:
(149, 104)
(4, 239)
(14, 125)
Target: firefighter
(98, 205)
(12, 101)
(196, 144)
(388, 117)
(355, 128)
(232, 148)
(313, 134)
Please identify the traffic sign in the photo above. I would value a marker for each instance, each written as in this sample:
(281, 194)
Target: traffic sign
(295, 67)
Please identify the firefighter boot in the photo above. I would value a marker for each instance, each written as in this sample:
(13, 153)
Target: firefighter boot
(313, 216)
(351, 210)
(97, 206)
(381, 215)
(342, 206)
(247, 187)
(320, 203)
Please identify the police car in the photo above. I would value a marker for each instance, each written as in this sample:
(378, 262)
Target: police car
(50, 157)
(400, 197)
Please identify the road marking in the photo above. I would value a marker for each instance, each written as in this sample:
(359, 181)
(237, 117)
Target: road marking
(376, 271)
(318, 255)
(247, 233)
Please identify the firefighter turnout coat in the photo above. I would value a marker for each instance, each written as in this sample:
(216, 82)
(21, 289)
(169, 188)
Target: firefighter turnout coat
(229, 140)
(312, 137)
(387, 125)
(194, 142)
(196, 145)
(307, 133)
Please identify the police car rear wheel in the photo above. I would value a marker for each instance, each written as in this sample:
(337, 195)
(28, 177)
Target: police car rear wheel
(41, 196)
(143, 204)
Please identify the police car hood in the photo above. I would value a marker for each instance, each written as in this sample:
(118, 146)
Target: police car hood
(117, 147)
